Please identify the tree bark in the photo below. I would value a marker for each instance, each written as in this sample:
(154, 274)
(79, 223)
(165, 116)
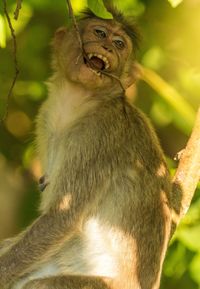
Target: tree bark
(187, 175)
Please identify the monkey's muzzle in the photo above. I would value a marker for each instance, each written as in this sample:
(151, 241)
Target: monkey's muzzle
(97, 61)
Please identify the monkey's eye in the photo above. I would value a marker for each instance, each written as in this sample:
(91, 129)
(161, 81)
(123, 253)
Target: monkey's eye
(119, 42)
(100, 32)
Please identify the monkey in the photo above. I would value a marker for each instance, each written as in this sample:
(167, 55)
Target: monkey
(105, 206)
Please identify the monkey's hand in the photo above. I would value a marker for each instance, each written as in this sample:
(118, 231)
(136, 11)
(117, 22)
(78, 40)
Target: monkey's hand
(43, 182)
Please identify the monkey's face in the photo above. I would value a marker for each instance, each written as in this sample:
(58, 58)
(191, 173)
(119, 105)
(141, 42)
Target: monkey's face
(107, 49)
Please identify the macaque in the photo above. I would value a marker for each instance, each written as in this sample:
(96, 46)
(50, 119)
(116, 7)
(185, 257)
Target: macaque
(105, 207)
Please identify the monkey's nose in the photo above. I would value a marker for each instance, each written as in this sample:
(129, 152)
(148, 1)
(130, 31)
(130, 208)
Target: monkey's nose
(107, 48)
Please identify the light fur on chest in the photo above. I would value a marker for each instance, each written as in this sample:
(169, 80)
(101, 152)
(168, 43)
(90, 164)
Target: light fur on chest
(66, 103)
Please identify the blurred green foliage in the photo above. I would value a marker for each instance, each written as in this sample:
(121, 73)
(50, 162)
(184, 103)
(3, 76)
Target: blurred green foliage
(170, 96)
(175, 3)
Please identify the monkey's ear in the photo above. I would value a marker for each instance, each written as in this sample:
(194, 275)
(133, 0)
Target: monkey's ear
(132, 76)
(58, 37)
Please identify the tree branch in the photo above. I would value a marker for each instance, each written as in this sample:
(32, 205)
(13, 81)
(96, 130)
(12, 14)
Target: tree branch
(15, 61)
(18, 7)
(187, 175)
(71, 15)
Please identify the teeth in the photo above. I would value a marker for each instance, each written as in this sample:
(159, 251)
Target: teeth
(90, 55)
(96, 72)
(105, 60)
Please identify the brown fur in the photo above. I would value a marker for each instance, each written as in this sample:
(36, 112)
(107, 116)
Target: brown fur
(105, 214)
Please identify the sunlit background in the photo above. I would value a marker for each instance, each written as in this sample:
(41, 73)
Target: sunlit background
(170, 96)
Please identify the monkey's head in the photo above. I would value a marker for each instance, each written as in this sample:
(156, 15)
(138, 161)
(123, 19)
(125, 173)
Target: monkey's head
(109, 49)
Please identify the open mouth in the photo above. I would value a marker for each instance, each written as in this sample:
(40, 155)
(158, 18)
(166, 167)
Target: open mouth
(97, 62)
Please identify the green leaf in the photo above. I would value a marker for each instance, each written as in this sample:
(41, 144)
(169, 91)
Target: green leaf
(174, 3)
(2, 32)
(78, 5)
(130, 7)
(99, 9)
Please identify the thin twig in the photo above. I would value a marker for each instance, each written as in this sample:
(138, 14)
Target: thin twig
(18, 7)
(187, 174)
(15, 61)
(71, 15)
(115, 77)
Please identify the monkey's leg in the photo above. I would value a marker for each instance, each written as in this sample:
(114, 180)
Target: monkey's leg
(70, 282)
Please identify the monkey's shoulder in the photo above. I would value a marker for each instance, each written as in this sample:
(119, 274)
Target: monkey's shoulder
(134, 132)
(119, 116)
(121, 125)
